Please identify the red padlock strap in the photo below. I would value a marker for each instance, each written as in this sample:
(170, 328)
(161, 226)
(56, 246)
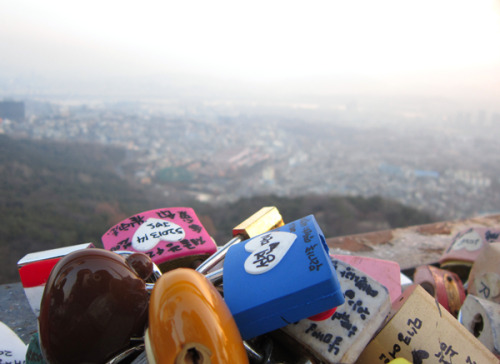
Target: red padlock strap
(37, 274)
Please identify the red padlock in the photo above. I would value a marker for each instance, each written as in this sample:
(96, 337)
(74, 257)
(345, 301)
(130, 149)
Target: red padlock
(445, 286)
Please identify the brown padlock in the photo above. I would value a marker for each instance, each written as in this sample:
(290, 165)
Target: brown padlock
(419, 329)
(444, 285)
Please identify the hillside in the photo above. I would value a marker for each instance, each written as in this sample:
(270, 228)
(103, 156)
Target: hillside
(58, 194)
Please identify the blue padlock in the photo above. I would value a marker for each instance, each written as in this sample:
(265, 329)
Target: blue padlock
(280, 277)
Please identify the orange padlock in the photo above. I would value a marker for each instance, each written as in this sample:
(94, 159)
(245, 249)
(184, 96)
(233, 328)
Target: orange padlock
(189, 322)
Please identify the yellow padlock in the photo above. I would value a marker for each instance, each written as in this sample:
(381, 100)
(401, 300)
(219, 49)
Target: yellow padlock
(399, 361)
(189, 322)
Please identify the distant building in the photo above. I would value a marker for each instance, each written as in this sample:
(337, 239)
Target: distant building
(12, 110)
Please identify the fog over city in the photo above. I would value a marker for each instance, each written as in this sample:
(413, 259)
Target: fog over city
(393, 98)
(118, 49)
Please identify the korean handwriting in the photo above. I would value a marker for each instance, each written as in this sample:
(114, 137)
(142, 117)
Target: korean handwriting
(125, 226)
(325, 338)
(264, 257)
(446, 354)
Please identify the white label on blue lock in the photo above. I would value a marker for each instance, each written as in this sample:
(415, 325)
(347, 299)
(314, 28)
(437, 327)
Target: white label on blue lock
(267, 251)
(153, 231)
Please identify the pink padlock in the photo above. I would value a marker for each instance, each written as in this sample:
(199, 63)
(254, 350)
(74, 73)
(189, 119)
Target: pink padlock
(465, 247)
(172, 237)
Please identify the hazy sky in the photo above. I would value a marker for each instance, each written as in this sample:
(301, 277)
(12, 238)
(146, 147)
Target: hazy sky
(392, 45)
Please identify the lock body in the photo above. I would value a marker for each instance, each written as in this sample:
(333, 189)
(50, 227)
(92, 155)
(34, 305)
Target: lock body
(342, 337)
(93, 304)
(444, 285)
(482, 318)
(383, 271)
(171, 237)
(465, 248)
(420, 330)
(280, 277)
(187, 319)
(267, 218)
(484, 277)
(12, 348)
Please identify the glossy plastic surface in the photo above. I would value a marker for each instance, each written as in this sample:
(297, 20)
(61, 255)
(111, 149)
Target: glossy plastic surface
(188, 317)
(280, 277)
(171, 237)
(92, 305)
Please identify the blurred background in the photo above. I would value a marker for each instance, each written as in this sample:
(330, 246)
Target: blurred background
(370, 115)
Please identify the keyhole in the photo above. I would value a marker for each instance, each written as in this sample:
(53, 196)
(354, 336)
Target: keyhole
(193, 356)
(194, 353)
(477, 325)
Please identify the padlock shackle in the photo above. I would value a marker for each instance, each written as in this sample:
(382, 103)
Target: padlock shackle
(124, 354)
(212, 261)
(264, 220)
(215, 277)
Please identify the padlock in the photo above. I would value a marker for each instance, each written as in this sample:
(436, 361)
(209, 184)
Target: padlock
(34, 270)
(189, 322)
(482, 318)
(465, 247)
(419, 329)
(444, 285)
(267, 218)
(342, 337)
(12, 348)
(280, 277)
(484, 277)
(171, 237)
(383, 271)
(94, 305)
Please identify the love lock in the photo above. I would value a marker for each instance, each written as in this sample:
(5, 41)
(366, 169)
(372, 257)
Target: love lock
(280, 277)
(444, 285)
(465, 247)
(482, 318)
(189, 322)
(94, 305)
(419, 329)
(484, 277)
(172, 237)
(343, 336)
(385, 272)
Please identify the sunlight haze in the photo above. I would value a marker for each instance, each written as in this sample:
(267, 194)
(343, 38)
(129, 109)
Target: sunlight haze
(358, 46)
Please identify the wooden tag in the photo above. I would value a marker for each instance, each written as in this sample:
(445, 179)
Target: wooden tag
(419, 329)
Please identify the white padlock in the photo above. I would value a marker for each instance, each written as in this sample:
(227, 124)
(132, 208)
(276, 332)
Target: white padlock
(482, 318)
(343, 336)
